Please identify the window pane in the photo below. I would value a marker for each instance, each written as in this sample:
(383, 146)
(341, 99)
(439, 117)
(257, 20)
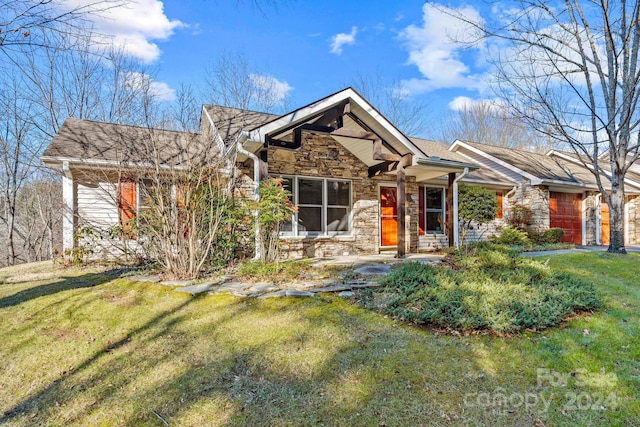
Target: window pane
(286, 226)
(434, 198)
(309, 218)
(338, 193)
(287, 184)
(309, 192)
(433, 222)
(337, 219)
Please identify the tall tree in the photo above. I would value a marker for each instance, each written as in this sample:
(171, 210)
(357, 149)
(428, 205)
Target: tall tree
(570, 69)
(488, 123)
(232, 81)
(29, 22)
(410, 115)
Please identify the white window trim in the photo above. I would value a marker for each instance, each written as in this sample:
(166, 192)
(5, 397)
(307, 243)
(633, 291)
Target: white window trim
(296, 233)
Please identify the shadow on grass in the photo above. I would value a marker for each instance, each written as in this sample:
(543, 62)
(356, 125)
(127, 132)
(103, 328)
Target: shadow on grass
(67, 283)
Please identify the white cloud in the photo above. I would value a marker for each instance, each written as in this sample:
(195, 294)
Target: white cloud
(461, 103)
(434, 47)
(144, 82)
(342, 39)
(273, 88)
(134, 26)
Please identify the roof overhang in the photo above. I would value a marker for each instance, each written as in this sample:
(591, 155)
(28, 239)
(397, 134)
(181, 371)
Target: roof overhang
(360, 127)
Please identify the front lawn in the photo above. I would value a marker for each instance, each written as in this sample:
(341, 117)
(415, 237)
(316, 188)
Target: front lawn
(83, 347)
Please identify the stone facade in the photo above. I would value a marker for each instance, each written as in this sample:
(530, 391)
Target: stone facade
(536, 197)
(591, 216)
(633, 224)
(323, 157)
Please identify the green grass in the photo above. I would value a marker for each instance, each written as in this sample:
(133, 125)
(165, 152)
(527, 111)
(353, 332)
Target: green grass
(86, 348)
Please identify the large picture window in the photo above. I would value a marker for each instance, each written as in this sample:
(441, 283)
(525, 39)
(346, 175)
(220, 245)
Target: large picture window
(324, 206)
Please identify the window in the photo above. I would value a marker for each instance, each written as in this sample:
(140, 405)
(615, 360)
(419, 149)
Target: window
(434, 209)
(324, 206)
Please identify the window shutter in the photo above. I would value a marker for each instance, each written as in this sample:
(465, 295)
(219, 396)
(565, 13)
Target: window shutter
(499, 196)
(126, 203)
(421, 210)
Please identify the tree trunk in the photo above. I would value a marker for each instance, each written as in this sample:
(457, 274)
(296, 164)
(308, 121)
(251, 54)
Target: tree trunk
(616, 218)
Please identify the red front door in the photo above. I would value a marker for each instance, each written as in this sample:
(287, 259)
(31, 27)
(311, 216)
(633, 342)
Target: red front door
(388, 217)
(604, 223)
(565, 211)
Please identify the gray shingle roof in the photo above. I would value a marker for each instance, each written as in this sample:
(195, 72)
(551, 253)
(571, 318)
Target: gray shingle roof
(438, 149)
(99, 141)
(539, 165)
(231, 121)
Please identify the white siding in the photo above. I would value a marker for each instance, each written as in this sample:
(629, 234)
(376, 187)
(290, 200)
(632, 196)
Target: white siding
(483, 161)
(97, 205)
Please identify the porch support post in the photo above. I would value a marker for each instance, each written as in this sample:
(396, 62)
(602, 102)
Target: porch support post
(401, 210)
(263, 163)
(68, 209)
(452, 210)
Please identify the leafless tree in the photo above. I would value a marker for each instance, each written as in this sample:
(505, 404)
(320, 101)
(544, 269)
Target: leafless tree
(488, 123)
(28, 22)
(232, 81)
(410, 115)
(570, 68)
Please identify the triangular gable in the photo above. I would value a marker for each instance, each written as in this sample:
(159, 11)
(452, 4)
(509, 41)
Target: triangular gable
(364, 113)
(532, 178)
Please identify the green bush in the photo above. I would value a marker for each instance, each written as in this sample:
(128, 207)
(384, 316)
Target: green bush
(512, 236)
(549, 236)
(492, 289)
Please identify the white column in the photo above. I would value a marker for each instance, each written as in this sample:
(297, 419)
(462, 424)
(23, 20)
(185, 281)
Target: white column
(584, 219)
(68, 208)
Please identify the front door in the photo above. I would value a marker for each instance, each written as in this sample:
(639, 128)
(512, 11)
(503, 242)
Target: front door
(604, 223)
(388, 217)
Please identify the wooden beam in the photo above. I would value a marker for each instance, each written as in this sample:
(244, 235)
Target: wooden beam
(381, 168)
(334, 114)
(358, 134)
(449, 214)
(401, 197)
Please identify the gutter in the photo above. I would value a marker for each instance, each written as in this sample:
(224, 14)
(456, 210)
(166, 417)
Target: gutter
(450, 163)
(238, 144)
(456, 231)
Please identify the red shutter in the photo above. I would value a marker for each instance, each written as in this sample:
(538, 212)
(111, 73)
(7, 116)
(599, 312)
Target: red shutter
(421, 210)
(126, 203)
(499, 196)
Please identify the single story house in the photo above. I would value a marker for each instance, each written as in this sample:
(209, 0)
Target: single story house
(559, 189)
(360, 184)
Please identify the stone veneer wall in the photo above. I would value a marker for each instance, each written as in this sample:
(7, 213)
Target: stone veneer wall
(536, 198)
(633, 231)
(322, 156)
(591, 214)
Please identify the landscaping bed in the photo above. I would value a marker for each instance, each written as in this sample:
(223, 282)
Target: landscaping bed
(490, 288)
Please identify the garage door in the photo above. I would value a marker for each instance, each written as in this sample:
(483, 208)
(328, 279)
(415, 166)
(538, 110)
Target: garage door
(565, 211)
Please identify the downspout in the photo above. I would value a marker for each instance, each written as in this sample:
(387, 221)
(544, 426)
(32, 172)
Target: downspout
(584, 220)
(256, 180)
(240, 140)
(456, 226)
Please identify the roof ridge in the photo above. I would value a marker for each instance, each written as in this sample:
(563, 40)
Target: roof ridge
(129, 126)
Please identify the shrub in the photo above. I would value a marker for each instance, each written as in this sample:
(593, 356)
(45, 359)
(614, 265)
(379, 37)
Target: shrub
(475, 204)
(549, 236)
(493, 290)
(512, 236)
(520, 217)
(553, 235)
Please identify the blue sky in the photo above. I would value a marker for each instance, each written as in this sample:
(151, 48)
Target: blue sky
(311, 48)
